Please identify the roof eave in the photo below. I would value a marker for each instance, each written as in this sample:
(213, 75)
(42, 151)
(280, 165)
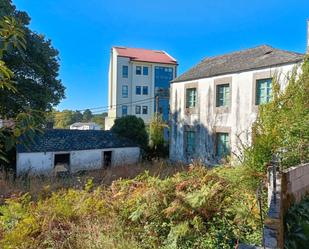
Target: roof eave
(239, 71)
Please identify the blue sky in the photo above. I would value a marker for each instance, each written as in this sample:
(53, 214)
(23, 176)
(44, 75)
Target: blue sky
(84, 31)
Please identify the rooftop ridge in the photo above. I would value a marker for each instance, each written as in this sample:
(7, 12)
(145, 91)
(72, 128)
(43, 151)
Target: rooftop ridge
(242, 60)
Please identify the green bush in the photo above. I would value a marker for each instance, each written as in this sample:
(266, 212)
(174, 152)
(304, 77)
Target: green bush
(198, 208)
(282, 124)
(297, 225)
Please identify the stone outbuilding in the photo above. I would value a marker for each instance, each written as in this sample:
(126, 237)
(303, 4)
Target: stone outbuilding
(74, 150)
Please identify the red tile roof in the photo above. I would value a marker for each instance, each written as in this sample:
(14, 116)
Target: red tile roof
(146, 55)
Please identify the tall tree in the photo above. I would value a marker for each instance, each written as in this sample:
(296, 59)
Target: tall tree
(24, 123)
(132, 128)
(35, 70)
(87, 115)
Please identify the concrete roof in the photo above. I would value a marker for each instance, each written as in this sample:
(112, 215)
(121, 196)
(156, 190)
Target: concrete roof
(70, 140)
(146, 55)
(244, 60)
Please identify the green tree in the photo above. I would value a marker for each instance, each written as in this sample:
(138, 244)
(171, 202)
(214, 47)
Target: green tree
(156, 136)
(132, 128)
(23, 123)
(62, 120)
(35, 69)
(77, 116)
(99, 119)
(282, 125)
(87, 115)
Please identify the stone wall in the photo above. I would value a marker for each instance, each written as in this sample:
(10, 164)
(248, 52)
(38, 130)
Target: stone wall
(289, 186)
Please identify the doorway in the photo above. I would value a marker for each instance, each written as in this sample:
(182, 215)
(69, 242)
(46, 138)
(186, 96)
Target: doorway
(62, 164)
(107, 159)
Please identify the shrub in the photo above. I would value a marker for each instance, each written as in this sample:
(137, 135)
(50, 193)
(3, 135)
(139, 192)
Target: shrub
(282, 124)
(198, 208)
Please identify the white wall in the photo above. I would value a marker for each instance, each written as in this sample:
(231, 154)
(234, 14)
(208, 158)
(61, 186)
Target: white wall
(116, 81)
(239, 119)
(43, 163)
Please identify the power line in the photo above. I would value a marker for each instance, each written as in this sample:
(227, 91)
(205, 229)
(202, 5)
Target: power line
(111, 106)
(148, 100)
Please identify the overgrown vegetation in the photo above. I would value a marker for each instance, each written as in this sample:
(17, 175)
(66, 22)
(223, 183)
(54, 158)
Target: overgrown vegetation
(198, 208)
(282, 125)
(297, 225)
(158, 146)
(63, 119)
(22, 123)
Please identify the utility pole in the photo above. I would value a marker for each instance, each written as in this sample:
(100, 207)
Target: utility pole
(157, 106)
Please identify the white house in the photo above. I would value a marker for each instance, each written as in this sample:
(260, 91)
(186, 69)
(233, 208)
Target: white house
(137, 79)
(75, 150)
(214, 104)
(85, 126)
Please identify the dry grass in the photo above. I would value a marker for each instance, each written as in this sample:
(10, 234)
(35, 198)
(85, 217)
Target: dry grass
(38, 185)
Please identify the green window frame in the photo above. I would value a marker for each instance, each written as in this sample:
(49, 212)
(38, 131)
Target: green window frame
(190, 97)
(190, 142)
(222, 145)
(223, 95)
(263, 91)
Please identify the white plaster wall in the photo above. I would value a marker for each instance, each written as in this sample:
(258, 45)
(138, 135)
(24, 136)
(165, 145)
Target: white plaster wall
(43, 163)
(239, 119)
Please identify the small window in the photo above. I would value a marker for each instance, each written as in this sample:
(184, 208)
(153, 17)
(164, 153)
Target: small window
(191, 97)
(263, 91)
(125, 71)
(138, 70)
(145, 109)
(190, 142)
(125, 91)
(223, 145)
(138, 90)
(145, 90)
(145, 70)
(138, 109)
(124, 110)
(223, 95)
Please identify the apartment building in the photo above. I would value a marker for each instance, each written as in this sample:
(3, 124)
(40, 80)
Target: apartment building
(139, 82)
(214, 104)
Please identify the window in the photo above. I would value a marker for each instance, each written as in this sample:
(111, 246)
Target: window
(124, 110)
(223, 95)
(223, 145)
(125, 71)
(145, 109)
(145, 90)
(145, 70)
(138, 90)
(191, 97)
(263, 91)
(138, 109)
(138, 70)
(190, 142)
(125, 91)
